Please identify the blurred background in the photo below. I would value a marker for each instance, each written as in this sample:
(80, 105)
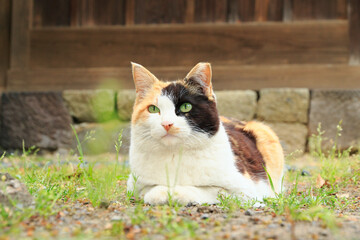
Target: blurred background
(309, 47)
(66, 44)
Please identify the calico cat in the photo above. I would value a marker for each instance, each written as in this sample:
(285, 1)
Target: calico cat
(181, 147)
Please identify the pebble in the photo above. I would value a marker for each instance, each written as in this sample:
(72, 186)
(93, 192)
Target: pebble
(116, 218)
(323, 234)
(104, 204)
(273, 225)
(204, 216)
(305, 173)
(191, 204)
(249, 212)
(290, 168)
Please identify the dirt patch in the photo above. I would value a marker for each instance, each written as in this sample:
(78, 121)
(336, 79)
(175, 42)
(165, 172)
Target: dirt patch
(213, 222)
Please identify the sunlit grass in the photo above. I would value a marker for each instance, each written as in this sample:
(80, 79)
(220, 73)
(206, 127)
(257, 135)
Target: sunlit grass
(56, 184)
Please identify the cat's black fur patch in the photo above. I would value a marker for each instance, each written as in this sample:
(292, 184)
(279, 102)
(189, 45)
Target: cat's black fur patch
(203, 116)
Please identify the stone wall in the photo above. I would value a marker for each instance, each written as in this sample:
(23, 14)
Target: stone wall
(43, 119)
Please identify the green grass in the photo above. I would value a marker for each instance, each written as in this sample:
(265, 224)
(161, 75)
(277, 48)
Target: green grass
(58, 185)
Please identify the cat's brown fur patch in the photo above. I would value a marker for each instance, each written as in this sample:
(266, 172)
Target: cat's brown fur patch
(255, 146)
(243, 143)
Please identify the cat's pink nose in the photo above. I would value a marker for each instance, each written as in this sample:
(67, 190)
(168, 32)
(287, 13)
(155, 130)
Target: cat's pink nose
(167, 125)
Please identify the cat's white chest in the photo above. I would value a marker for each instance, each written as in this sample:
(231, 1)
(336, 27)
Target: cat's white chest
(182, 167)
(187, 167)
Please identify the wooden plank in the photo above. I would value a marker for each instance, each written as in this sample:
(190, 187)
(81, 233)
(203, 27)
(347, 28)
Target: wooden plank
(266, 10)
(82, 13)
(20, 25)
(224, 77)
(246, 10)
(267, 43)
(233, 11)
(51, 13)
(61, 79)
(5, 11)
(319, 9)
(160, 11)
(97, 12)
(109, 12)
(276, 10)
(288, 13)
(354, 32)
(261, 10)
(74, 13)
(210, 11)
(190, 11)
(130, 12)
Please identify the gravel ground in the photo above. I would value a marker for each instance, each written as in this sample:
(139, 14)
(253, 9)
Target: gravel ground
(81, 220)
(214, 223)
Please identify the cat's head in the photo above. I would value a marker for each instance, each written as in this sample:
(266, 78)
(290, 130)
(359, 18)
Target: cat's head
(175, 113)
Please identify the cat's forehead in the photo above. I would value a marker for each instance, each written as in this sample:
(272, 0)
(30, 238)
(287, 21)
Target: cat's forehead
(175, 90)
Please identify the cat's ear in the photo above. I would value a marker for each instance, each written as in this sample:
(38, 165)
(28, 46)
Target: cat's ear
(201, 75)
(143, 79)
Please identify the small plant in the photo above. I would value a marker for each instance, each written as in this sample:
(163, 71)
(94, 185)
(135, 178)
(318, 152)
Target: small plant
(132, 196)
(231, 203)
(316, 141)
(118, 144)
(33, 150)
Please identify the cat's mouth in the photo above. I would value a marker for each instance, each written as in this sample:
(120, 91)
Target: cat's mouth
(168, 136)
(169, 140)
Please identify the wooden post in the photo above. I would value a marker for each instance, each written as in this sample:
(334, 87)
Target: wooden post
(261, 10)
(130, 12)
(287, 15)
(233, 11)
(5, 11)
(190, 11)
(20, 34)
(354, 32)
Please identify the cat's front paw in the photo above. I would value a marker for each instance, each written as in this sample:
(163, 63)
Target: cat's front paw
(185, 197)
(157, 195)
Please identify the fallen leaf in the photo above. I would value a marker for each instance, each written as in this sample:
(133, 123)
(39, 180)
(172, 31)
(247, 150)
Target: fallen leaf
(108, 226)
(30, 233)
(130, 235)
(319, 181)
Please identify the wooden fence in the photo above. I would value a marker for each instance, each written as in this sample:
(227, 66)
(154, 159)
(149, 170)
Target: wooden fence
(252, 44)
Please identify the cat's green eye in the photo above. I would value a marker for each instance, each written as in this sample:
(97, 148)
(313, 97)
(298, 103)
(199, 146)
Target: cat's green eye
(185, 107)
(153, 109)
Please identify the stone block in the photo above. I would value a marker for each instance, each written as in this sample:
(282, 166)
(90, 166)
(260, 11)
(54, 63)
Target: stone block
(125, 103)
(237, 104)
(90, 105)
(39, 119)
(292, 136)
(329, 107)
(283, 105)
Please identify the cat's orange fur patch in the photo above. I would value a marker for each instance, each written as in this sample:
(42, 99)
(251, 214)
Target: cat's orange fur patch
(224, 119)
(270, 148)
(140, 110)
